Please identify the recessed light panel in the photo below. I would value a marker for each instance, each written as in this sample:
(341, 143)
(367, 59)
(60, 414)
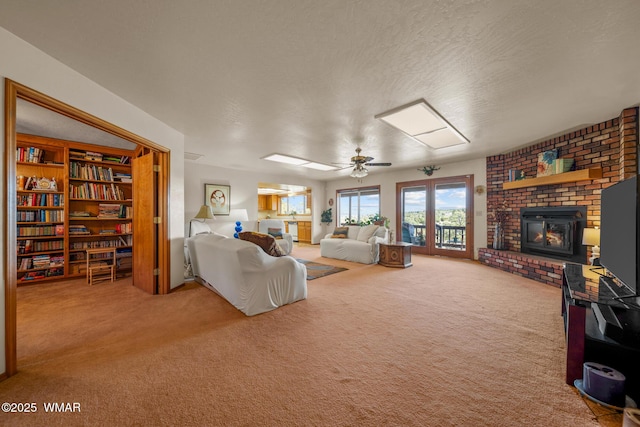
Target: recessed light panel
(285, 159)
(423, 123)
(319, 166)
(440, 139)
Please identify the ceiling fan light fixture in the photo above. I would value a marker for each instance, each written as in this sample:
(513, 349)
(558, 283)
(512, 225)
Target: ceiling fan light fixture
(423, 123)
(359, 171)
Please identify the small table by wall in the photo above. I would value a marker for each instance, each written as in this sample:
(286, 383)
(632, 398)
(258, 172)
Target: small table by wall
(396, 254)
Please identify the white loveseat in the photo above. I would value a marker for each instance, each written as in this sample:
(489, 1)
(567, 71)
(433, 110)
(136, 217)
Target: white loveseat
(361, 244)
(243, 274)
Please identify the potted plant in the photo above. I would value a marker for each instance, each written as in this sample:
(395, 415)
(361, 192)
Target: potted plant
(326, 217)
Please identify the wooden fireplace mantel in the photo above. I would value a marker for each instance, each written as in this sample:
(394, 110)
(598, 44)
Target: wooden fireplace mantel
(574, 176)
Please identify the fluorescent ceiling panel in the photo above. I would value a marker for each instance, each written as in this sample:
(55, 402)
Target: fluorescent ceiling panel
(285, 159)
(440, 139)
(423, 123)
(319, 166)
(282, 158)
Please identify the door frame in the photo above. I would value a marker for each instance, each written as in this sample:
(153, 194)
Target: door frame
(13, 91)
(430, 185)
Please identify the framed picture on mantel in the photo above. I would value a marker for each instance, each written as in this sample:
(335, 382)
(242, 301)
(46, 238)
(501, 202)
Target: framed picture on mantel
(218, 197)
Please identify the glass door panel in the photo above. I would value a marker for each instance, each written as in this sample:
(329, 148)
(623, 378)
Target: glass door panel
(450, 216)
(414, 219)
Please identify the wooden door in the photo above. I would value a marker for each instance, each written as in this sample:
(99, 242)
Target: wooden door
(144, 226)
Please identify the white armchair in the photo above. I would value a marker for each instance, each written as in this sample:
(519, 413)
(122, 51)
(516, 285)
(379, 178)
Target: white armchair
(286, 243)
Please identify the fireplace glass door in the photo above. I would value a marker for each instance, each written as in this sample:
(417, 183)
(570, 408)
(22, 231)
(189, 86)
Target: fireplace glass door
(550, 236)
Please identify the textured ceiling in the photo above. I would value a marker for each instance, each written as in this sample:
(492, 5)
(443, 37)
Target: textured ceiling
(243, 79)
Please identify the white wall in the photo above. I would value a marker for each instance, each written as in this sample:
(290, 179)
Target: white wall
(31, 67)
(243, 195)
(387, 182)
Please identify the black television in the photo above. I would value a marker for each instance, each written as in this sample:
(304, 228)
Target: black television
(620, 232)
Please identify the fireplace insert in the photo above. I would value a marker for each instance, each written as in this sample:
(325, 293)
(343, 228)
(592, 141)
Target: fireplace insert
(554, 232)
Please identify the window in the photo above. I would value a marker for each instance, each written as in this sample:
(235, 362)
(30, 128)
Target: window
(295, 204)
(358, 205)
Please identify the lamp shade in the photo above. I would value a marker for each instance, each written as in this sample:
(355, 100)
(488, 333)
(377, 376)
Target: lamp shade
(591, 236)
(205, 212)
(238, 215)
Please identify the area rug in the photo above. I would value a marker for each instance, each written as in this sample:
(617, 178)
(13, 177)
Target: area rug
(316, 270)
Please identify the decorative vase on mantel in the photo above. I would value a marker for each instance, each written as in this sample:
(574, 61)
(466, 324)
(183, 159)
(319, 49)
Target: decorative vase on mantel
(498, 237)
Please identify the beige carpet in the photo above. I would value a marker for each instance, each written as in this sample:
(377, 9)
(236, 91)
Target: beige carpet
(443, 343)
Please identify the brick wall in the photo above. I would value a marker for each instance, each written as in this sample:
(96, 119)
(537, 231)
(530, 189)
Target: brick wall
(611, 145)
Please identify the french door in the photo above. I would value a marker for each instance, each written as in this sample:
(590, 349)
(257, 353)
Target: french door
(435, 216)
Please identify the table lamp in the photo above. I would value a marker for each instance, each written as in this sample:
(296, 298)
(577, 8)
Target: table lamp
(238, 215)
(204, 214)
(591, 237)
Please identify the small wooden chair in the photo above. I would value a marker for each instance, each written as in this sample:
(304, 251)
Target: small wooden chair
(101, 264)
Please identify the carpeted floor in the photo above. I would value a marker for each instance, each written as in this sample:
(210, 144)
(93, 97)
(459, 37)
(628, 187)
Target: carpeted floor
(444, 343)
(316, 270)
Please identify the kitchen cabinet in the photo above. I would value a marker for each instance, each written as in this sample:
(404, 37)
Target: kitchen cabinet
(267, 203)
(304, 231)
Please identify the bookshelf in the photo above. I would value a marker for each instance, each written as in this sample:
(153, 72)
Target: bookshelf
(70, 197)
(100, 205)
(40, 212)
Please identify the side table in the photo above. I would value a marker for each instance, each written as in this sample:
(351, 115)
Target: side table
(396, 254)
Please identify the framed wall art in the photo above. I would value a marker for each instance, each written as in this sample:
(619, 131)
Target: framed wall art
(218, 197)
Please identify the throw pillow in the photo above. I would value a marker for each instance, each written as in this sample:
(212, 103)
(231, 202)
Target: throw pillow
(265, 241)
(275, 232)
(366, 232)
(340, 233)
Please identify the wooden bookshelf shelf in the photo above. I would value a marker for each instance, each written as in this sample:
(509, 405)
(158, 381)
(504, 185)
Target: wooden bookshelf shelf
(561, 178)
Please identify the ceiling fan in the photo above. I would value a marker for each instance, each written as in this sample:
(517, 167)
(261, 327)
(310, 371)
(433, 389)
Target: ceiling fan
(359, 162)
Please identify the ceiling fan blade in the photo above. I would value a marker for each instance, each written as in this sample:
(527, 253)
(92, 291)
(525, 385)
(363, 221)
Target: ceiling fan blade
(378, 164)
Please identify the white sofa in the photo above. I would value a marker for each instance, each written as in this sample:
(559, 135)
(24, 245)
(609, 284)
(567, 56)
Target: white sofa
(286, 243)
(360, 245)
(243, 274)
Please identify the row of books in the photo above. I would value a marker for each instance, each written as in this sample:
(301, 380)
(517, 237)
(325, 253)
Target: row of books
(122, 177)
(95, 156)
(41, 261)
(112, 210)
(29, 245)
(40, 199)
(124, 228)
(87, 171)
(41, 230)
(78, 229)
(29, 154)
(110, 243)
(93, 191)
(41, 215)
(35, 275)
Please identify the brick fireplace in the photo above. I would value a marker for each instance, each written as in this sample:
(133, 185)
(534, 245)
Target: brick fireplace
(610, 146)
